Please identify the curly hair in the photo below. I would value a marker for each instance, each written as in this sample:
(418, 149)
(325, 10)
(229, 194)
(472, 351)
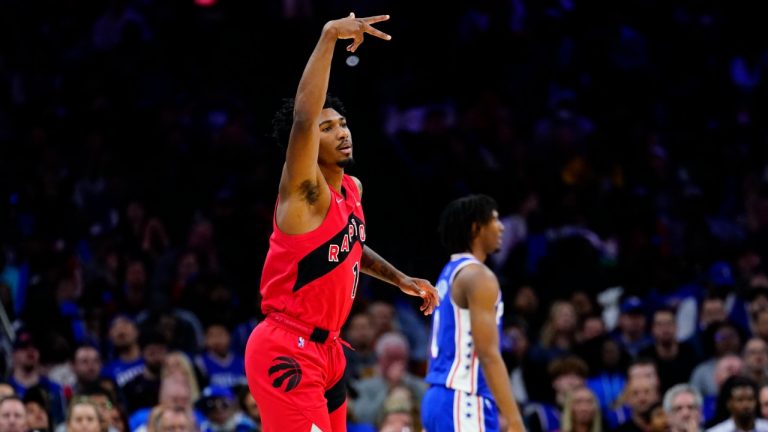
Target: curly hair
(283, 118)
(457, 222)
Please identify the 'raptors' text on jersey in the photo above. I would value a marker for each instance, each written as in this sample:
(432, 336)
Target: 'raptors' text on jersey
(453, 361)
(313, 276)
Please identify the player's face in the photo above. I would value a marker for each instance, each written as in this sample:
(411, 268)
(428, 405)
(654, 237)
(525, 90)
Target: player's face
(491, 233)
(335, 139)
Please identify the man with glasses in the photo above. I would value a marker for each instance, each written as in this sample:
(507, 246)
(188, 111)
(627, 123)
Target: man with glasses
(682, 404)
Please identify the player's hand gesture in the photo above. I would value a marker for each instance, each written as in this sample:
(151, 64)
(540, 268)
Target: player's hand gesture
(421, 288)
(355, 28)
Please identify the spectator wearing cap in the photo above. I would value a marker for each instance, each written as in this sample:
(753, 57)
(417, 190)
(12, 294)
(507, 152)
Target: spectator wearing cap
(631, 331)
(27, 372)
(127, 361)
(142, 391)
(221, 412)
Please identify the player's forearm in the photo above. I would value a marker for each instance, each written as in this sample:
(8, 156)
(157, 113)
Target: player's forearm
(496, 376)
(313, 86)
(374, 265)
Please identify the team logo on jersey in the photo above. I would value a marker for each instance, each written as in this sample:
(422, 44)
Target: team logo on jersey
(285, 369)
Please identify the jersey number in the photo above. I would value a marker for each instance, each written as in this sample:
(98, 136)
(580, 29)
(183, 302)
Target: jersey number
(356, 272)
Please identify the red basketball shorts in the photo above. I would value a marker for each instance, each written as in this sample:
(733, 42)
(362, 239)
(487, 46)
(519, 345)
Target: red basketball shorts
(294, 379)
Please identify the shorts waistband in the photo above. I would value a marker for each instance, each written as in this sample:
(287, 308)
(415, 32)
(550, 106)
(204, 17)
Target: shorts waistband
(314, 334)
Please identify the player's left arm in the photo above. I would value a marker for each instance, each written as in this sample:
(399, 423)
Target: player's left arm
(374, 265)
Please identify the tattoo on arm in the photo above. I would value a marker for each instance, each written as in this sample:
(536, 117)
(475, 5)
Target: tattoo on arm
(374, 265)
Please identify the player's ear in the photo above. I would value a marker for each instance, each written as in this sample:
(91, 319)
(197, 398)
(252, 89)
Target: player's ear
(475, 229)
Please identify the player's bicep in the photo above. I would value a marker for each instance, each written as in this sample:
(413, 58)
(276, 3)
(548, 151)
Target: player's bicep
(482, 295)
(301, 158)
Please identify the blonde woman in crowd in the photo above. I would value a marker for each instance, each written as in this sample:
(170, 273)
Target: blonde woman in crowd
(581, 412)
(178, 362)
(558, 334)
(83, 416)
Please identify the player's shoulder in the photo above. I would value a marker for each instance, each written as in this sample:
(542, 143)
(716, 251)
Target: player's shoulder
(477, 272)
(358, 183)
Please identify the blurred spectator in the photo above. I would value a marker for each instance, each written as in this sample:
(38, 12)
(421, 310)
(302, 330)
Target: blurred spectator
(763, 400)
(84, 416)
(737, 407)
(392, 351)
(86, 365)
(222, 413)
(142, 390)
(175, 363)
(174, 394)
(631, 330)
(673, 359)
(13, 415)
(107, 406)
(711, 312)
(608, 374)
(37, 407)
(683, 406)
(642, 370)
(361, 358)
(558, 334)
(126, 361)
(566, 373)
(656, 418)
(218, 363)
(640, 395)
(581, 412)
(173, 420)
(726, 340)
(755, 356)
(27, 372)
(248, 406)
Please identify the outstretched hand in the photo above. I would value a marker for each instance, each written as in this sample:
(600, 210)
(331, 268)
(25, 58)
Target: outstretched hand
(355, 28)
(421, 288)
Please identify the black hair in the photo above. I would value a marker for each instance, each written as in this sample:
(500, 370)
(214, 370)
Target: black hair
(726, 390)
(457, 222)
(283, 118)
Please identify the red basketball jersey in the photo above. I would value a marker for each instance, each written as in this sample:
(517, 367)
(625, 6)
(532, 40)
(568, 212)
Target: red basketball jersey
(313, 276)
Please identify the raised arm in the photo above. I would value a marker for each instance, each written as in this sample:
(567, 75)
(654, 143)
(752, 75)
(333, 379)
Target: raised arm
(482, 289)
(301, 176)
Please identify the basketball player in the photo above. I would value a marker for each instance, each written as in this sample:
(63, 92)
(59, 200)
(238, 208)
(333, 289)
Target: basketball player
(468, 378)
(294, 358)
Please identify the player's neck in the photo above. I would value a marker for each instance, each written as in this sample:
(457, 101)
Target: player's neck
(333, 176)
(478, 252)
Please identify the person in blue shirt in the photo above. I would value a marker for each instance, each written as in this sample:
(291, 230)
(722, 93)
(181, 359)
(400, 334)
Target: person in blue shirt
(219, 365)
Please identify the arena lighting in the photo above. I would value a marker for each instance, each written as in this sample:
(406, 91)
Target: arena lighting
(206, 3)
(353, 60)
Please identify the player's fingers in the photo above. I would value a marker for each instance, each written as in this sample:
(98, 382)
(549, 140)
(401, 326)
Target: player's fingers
(351, 15)
(374, 19)
(357, 41)
(376, 32)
